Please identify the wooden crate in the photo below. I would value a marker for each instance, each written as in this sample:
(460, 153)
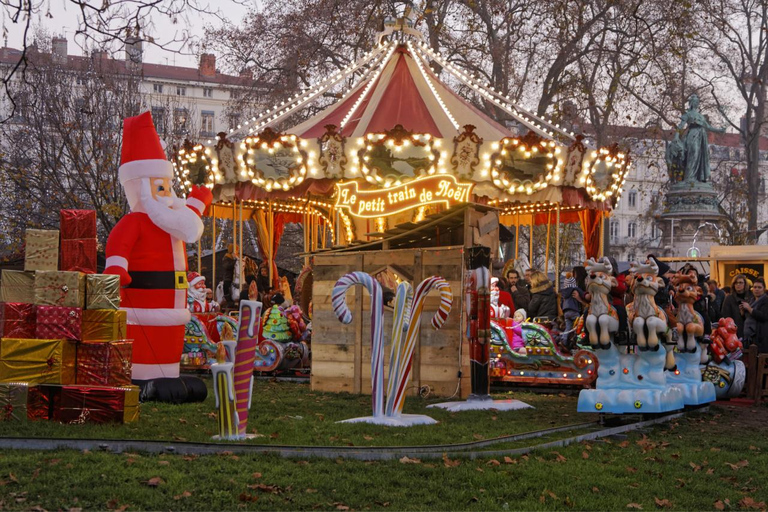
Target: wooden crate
(341, 354)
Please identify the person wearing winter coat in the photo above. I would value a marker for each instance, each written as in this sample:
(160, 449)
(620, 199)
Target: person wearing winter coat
(518, 289)
(739, 293)
(756, 323)
(543, 297)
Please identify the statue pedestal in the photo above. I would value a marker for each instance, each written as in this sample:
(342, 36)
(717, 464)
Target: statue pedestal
(687, 207)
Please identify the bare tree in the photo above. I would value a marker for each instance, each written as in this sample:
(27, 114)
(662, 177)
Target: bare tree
(107, 25)
(62, 147)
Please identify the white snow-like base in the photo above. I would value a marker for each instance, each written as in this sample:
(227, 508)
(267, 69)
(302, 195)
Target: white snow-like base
(626, 401)
(403, 420)
(696, 393)
(688, 379)
(483, 405)
(236, 438)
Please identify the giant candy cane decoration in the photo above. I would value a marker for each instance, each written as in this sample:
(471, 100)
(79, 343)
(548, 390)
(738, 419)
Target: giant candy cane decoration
(339, 303)
(400, 322)
(404, 348)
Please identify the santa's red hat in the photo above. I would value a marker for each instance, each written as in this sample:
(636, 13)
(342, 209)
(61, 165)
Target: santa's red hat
(142, 155)
(193, 278)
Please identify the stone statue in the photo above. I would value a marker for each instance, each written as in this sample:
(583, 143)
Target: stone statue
(691, 155)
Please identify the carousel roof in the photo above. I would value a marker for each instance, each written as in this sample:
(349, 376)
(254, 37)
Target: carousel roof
(405, 92)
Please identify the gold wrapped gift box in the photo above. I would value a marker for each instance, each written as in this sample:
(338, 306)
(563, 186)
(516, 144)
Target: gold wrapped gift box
(37, 361)
(42, 249)
(103, 291)
(59, 288)
(104, 325)
(17, 286)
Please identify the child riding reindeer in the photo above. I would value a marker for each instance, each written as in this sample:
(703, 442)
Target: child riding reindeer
(690, 324)
(602, 319)
(647, 320)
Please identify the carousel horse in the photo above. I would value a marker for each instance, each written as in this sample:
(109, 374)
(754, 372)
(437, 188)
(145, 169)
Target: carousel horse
(602, 319)
(690, 324)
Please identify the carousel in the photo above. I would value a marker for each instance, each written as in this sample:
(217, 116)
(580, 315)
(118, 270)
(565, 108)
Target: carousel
(401, 164)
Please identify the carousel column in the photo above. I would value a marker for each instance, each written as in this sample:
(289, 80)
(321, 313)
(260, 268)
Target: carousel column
(557, 248)
(479, 321)
(240, 251)
(517, 236)
(530, 242)
(213, 244)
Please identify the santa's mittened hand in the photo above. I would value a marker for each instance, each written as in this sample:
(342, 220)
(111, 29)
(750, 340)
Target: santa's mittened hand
(199, 198)
(125, 279)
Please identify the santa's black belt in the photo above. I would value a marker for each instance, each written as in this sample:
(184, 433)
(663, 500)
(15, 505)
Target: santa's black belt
(158, 280)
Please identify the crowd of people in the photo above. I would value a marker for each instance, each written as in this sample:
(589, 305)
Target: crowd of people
(743, 300)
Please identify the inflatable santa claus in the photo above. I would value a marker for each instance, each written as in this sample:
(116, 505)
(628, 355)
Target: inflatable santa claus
(147, 250)
(198, 302)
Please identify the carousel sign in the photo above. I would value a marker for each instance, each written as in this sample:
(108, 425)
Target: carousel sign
(370, 204)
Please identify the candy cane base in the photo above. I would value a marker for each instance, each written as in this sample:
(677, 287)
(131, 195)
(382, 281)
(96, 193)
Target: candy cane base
(483, 404)
(400, 420)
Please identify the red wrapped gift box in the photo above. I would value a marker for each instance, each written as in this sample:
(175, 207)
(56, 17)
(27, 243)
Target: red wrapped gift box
(94, 404)
(55, 322)
(105, 364)
(76, 224)
(78, 255)
(17, 320)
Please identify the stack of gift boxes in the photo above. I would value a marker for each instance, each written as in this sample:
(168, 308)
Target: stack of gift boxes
(63, 353)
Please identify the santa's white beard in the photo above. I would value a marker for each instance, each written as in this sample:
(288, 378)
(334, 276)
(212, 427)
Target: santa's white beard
(495, 297)
(198, 295)
(170, 214)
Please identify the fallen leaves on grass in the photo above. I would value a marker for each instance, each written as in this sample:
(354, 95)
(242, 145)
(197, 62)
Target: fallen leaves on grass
(510, 460)
(155, 481)
(368, 438)
(631, 469)
(256, 475)
(662, 503)
(341, 506)
(559, 457)
(695, 466)
(721, 504)
(185, 494)
(738, 465)
(595, 490)
(547, 492)
(584, 455)
(164, 463)
(407, 460)
(493, 462)
(749, 504)
(635, 505)
(624, 444)
(450, 463)
(310, 491)
(115, 506)
(270, 489)
(246, 497)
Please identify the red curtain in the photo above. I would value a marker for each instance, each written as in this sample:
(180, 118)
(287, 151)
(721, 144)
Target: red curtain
(590, 228)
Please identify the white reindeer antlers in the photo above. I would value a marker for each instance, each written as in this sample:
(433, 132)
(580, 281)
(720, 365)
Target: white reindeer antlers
(649, 267)
(601, 265)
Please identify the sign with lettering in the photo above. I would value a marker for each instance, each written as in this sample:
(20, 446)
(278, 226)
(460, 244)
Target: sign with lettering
(751, 270)
(370, 204)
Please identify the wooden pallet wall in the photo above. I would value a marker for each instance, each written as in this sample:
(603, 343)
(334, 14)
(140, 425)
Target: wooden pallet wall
(341, 354)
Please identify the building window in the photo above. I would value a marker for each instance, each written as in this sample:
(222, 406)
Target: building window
(632, 198)
(655, 232)
(206, 126)
(614, 229)
(234, 121)
(157, 88)
(632, 230)
(207, 92)
(180, 118)
(631, 256)
(81, 80)
(158, 116)
(181, 91)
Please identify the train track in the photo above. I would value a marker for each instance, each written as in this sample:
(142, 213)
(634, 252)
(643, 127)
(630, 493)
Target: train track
(587, 431)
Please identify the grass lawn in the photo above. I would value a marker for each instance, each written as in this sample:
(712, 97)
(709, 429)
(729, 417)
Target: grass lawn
(704, 461)
(288, 413)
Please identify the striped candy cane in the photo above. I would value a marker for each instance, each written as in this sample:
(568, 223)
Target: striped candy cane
(402, 307)
(396, 400)
(339, 303)
(245, 355)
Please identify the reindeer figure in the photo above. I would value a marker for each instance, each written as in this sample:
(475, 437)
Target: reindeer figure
(646, 318)
(602, 319)
(690, 324)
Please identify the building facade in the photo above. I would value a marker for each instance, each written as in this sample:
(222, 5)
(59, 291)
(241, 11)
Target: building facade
(635, 228)
(185, 102)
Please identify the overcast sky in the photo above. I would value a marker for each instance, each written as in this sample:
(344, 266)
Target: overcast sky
(64, 21)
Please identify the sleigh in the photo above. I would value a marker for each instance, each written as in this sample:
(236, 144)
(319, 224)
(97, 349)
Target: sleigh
(543, 363)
